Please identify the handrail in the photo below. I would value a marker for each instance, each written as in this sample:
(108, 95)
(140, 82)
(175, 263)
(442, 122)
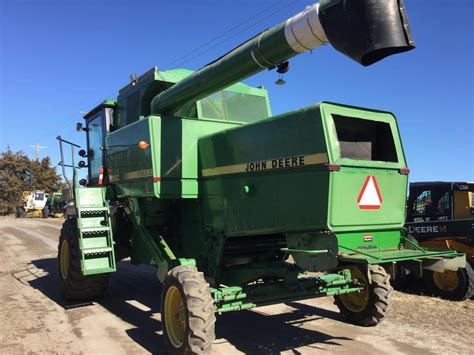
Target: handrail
(72, 165)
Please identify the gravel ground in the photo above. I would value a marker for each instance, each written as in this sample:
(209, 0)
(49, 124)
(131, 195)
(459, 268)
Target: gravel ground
(34, 318)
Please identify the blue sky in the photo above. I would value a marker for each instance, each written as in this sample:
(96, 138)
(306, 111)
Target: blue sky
(58, 58)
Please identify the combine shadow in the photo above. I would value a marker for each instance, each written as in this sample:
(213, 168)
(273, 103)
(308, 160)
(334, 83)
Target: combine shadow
(257, 333)
(411, 285)
(134, 296)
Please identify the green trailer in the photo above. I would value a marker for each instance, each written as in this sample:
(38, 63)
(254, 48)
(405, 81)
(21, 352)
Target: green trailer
(189, 172)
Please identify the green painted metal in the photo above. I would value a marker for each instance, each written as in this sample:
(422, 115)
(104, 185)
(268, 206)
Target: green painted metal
(392, 246)
(255, 183)
(94, 231)
(133, 102)
(231, 68)
(237, 173)
(229, 299)
(168, 168)
(131, 168)
(53, 198)
(200, 174)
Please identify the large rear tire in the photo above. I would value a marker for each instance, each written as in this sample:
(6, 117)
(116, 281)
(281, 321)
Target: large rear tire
(187, 312)
(451, 285)
(369, 306)
(73, 285)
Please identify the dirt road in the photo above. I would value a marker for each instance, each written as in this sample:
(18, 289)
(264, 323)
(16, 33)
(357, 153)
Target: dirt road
(34, 319)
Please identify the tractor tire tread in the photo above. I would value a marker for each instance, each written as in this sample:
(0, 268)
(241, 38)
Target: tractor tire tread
(470, 288)
(380, 300)
(200, 313)
(463, 292)
(77, 287)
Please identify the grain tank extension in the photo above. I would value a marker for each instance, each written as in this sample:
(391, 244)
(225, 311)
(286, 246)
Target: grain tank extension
(189, 172)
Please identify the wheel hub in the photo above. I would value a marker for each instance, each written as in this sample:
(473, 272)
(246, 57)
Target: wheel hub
(64, 259)
(446, 281)
(175, 316)
(357, 301)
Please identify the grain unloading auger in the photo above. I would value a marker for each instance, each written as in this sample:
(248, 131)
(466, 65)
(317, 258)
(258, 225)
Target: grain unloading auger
(236, 208)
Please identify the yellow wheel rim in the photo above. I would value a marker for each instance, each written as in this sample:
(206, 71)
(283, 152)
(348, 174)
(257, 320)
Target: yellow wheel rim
(446, 281)
(175, 316)
(357, 301)
(64, 259)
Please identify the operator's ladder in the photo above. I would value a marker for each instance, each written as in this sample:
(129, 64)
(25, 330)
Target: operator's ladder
(94, 231)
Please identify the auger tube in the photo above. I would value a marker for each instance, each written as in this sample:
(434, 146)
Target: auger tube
(365, 30)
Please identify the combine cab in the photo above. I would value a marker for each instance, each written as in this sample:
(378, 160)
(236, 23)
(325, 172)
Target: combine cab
(440, 215)
(189, 172)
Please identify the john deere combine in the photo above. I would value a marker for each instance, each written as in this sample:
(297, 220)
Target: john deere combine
(236, 208)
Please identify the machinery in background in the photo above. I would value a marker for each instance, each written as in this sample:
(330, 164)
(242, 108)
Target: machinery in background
(440, 215)
(31, 204)
(54, 206)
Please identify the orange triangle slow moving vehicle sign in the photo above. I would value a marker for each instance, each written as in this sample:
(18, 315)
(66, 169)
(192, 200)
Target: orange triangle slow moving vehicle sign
(370, 197)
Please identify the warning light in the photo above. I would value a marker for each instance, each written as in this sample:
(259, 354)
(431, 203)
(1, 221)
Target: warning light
(143, 145)
(404, 171)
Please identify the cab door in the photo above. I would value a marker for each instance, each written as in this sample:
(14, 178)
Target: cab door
(96, 147)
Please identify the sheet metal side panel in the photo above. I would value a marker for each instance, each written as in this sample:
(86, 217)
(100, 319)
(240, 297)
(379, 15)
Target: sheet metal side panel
(131, 168)
(346, 185)
(192, 131)
(155, 142)
(272, 200)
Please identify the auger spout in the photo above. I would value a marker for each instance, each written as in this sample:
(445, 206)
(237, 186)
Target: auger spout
(367, 31)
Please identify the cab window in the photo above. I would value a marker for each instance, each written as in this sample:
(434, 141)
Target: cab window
(39, 196)
(233, 106)
(95, 141)
(432, 205)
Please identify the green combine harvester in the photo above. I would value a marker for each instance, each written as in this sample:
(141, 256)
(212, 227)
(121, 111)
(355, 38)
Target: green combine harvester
(54, 205)
(189, 172)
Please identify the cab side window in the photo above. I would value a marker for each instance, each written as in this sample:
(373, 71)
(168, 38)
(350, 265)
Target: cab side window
(432, 205)
(95, 142)
(421, 206)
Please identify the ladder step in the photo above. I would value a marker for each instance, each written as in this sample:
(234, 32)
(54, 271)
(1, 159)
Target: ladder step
(93, 251)
(93, 209)
(99, 270)
(94, 229)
